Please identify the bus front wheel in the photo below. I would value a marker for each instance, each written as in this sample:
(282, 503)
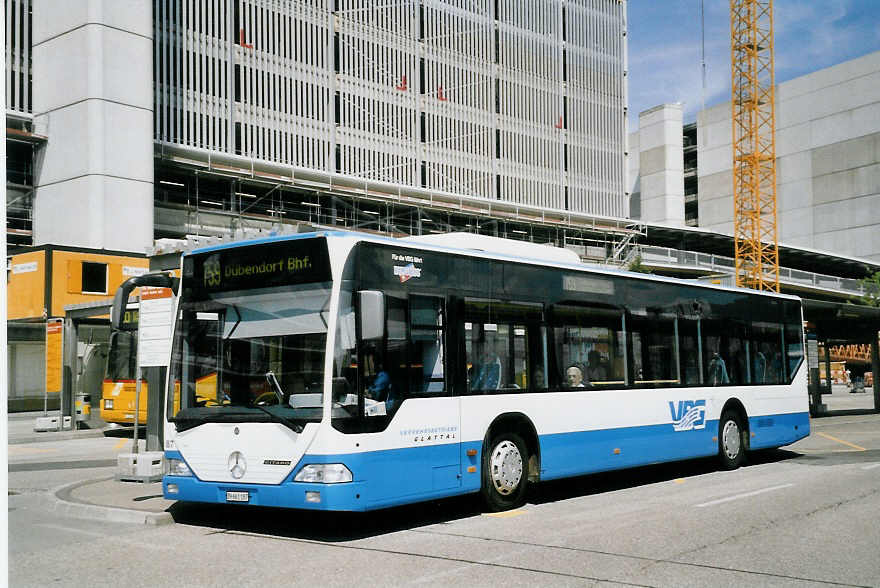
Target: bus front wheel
(731, 440)
(505, 472)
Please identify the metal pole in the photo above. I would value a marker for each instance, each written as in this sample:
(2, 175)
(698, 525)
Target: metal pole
(68, 385)
(814, 384)
(828, 366)
(875, 370)
(137, 406)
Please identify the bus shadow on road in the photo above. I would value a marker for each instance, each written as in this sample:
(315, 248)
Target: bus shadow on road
(615, 480)
(122, 432)
(324, 526)
(841, 457)
(340, 527)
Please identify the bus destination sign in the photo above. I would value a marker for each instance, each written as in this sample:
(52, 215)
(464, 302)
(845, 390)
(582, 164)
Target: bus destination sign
(282, 263)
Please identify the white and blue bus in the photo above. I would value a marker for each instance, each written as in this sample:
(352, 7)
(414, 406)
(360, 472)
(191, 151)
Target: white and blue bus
(343, 371)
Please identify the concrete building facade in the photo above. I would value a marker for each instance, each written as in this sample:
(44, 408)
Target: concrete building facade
(658, 144)
(93, 100)
(828, 162)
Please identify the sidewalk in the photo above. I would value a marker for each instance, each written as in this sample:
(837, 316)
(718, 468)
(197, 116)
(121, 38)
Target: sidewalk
(843, 399)
(21, 428)
(107, 499)
(103, 499)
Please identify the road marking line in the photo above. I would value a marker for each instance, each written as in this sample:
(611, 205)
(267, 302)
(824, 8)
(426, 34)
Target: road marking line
(872, 466)
(506, 514)
(13, 450)
(847, 443)
(746, 495)
(121, 443)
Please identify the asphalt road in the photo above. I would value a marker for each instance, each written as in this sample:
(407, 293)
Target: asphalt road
(802, 516)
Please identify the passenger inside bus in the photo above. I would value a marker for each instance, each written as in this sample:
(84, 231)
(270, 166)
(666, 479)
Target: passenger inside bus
(574, 377)
(487, 375)
(717, 371)
(540, 379)
(596, 371)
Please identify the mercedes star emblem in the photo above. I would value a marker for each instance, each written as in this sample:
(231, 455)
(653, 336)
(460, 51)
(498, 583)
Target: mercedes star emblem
(237, 464)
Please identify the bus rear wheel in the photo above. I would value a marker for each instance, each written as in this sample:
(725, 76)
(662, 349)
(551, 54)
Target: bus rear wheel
(505, 475)
(731, 440)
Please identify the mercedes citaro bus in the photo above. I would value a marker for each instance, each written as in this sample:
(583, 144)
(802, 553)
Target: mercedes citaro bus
(352, 372)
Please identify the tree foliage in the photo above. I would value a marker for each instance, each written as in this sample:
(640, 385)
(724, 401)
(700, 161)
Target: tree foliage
(871, 284)
(637, 266)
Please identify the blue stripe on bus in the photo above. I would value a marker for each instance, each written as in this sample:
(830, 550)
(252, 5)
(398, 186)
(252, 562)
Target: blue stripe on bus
(571, 454)
(400, 476)
(777, 430)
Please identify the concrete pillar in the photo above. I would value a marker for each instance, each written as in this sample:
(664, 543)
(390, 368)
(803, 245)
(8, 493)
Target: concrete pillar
(92, 88)
(661, 165)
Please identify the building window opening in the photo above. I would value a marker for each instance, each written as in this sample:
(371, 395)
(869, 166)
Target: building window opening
(94, 278)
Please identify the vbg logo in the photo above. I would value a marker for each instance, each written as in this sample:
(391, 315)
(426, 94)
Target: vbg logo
(688, 415)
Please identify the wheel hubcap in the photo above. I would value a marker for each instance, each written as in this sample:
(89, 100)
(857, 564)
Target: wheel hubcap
(731, 439)
(506, 466)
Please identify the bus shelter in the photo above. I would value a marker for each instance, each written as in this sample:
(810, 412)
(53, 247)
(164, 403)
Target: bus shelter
(77, 317)
(834, 323)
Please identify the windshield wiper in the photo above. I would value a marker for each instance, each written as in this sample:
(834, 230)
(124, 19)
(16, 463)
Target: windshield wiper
(237, 322)
(276, 387)
(283, 420)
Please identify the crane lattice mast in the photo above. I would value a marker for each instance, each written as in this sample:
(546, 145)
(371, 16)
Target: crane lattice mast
(754, 144)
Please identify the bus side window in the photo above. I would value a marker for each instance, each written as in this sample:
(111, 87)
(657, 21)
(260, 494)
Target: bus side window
(497, 346)
(427, 327)
(714, 361)
(395, 359)
(655, 349)
(690, 351)
(590, 347)
(765, 353)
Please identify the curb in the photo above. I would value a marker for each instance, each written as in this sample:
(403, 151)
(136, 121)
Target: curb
(35, 437)
(66, 505)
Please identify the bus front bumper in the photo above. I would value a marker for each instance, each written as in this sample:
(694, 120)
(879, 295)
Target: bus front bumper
(346, 496)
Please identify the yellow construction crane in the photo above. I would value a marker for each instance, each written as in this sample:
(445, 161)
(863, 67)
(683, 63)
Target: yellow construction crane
(754, 144)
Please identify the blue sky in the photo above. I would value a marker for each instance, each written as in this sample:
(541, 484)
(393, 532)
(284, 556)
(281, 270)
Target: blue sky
(664, 46)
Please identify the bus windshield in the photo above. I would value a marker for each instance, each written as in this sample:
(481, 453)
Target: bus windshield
(250, 354)
(122, 357)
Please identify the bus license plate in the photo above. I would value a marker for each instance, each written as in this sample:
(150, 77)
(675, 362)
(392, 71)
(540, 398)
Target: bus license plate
(237, 497)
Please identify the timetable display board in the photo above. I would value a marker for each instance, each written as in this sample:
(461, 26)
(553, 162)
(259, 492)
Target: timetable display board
(154, 326)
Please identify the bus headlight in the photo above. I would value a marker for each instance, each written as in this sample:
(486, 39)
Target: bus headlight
(324, 473)
(108, 404)
(177, 467)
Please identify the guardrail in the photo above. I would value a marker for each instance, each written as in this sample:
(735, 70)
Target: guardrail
(668, 256)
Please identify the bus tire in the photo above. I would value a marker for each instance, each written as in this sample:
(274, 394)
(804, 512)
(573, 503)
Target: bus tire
(505, 472)
(731, 440)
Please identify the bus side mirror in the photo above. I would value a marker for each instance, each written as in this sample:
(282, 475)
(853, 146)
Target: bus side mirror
(372, 314)
(120, 299)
